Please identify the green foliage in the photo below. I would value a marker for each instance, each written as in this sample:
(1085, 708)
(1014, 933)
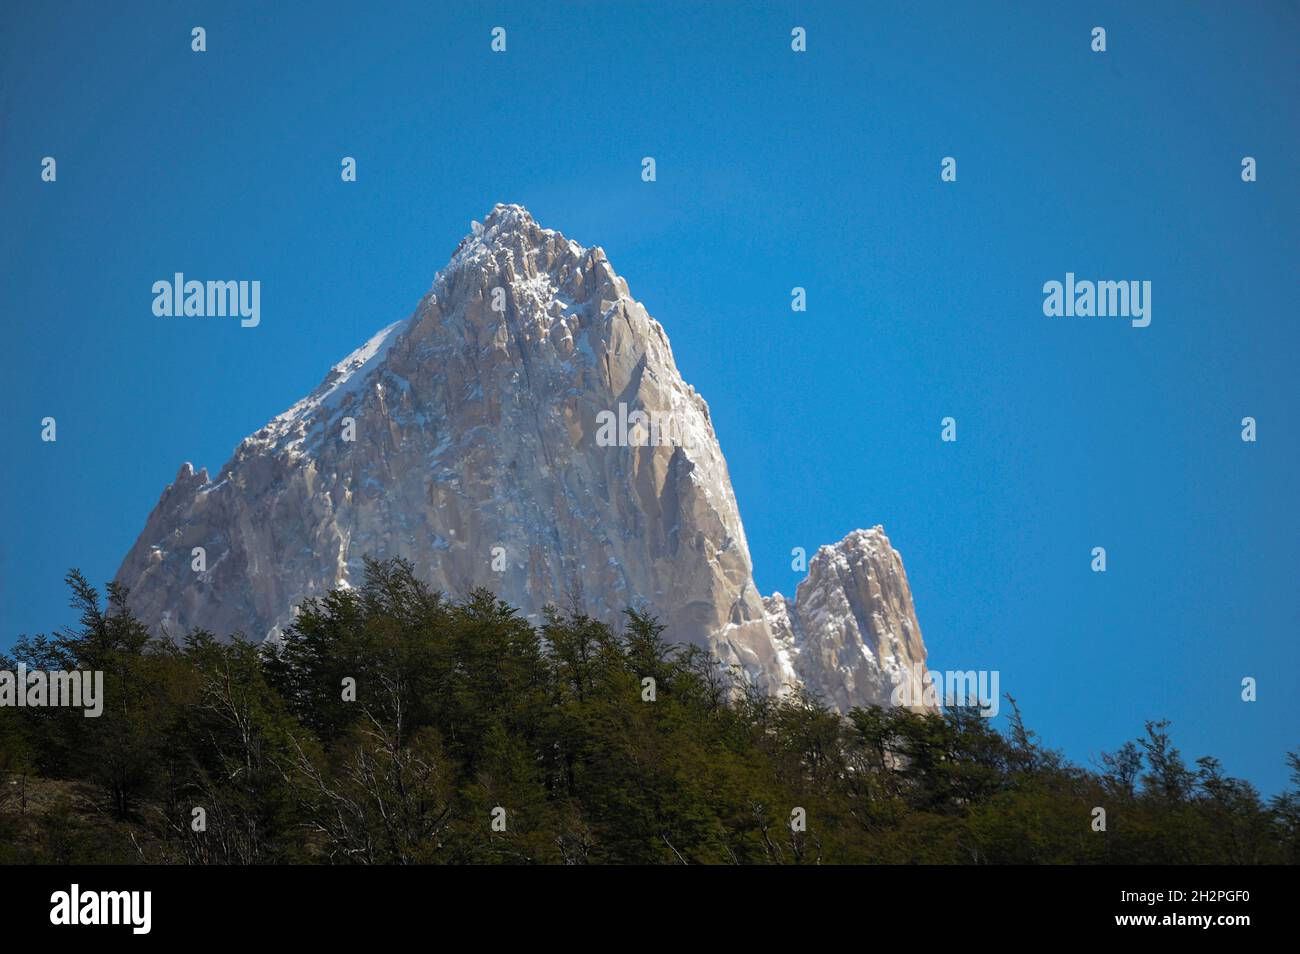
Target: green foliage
(390, 725)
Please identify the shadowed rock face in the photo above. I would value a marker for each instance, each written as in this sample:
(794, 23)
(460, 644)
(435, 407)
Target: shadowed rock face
(479, 451)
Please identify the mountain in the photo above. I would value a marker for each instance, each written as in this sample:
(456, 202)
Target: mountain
(526, 429)
(852, 627)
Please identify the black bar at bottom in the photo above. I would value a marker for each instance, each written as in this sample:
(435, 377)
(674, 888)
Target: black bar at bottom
(222, 905)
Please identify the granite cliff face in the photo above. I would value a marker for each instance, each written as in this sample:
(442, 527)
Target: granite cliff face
(526, 429)
(851, 631)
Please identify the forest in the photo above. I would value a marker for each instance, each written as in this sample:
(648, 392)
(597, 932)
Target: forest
(393, 725)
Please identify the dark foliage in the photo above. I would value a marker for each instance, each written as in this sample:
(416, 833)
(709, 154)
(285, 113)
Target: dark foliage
(394, 726)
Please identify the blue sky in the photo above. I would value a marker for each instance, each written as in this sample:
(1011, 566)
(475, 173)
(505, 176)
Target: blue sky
(775, 169)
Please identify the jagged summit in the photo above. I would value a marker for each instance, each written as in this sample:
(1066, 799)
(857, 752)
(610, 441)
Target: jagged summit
(508, 239)
(507, 229)
(851, 628)
(467, 438)
(507, 217)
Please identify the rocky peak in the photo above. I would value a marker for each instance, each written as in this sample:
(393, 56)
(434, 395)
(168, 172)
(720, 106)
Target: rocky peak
(852, 627)
(466, 438)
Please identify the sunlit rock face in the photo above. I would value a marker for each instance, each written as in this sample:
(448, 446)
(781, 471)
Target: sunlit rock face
(527, 430)
(851, 630)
